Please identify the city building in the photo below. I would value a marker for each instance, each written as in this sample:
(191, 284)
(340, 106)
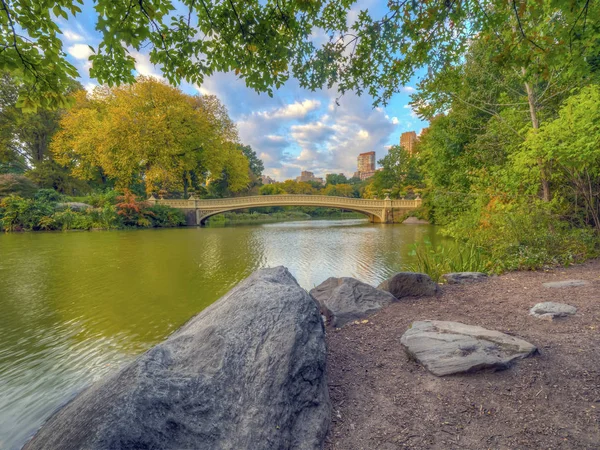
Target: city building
(305, 176)
(267, 180)
(366, 165)
(366, 162)
(408, 141)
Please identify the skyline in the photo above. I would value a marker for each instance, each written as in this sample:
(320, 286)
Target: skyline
(294, 130)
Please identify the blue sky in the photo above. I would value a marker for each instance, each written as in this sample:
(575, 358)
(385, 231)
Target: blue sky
(296, 129)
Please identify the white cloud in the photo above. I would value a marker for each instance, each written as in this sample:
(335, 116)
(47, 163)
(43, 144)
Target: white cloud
(408, 89)
(72, 36)
(296, 110)
(80, 51)
(144, 67)
(395, 121)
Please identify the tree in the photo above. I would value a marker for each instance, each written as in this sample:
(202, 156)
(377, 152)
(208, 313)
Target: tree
(255, 163)
(335, 178)
(266, 42)
(572, 144)
(152, 133)
(25, 137)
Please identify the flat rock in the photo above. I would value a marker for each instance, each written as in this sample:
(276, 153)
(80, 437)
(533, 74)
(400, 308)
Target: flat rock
(565, 283)
(446, 348)
(551, 310)
(415, 221)
(344, 300)
(409, 284)
(248, 372)
(463, 277)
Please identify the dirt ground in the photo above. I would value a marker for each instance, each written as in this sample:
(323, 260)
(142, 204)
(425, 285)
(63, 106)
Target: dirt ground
(381, 400)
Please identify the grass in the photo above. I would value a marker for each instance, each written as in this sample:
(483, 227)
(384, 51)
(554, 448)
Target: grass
(451, 258)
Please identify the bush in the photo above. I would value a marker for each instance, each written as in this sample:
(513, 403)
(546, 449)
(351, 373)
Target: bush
(23, 214)
(48, 196)
(17, 185)
(165, 216)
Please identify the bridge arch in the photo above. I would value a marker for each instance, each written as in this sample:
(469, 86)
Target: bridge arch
(202, 216)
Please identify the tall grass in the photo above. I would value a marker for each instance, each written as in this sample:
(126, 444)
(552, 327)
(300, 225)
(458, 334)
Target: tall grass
(450, 258)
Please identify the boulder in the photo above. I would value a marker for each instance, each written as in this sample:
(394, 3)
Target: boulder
(344, 300)
(409, 284)
(565, 283)
(445, 348)
(75, 206)
(551, 310)
(463, 277)
(248, 372)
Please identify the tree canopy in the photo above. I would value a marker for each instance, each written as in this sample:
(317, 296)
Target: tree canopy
(319, 42)
(153, 133)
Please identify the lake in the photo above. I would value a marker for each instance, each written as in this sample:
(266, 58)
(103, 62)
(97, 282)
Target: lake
(75, 306)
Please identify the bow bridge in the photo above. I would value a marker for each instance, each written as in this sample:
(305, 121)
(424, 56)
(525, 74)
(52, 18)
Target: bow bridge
(378, 211)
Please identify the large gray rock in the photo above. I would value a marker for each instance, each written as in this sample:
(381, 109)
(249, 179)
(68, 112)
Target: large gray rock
(409, 284)
(246, 373)
(345, 300)
(445, 348)
(551, 310)
(463, 277)
(74, 206)
(565, 283)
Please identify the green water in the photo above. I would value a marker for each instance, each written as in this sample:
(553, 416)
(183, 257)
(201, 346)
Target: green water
(75, 306)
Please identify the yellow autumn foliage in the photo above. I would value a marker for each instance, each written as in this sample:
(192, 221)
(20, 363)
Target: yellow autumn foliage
(149, 132)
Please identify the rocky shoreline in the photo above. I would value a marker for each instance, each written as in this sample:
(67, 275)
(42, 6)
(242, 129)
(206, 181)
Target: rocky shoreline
(351, 366)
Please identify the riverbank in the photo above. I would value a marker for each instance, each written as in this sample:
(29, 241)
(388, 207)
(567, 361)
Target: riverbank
(382, 400)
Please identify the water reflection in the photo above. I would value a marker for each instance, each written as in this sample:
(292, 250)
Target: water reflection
(77, 305)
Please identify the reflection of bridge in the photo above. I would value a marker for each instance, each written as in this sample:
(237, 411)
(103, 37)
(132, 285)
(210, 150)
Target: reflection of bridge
(378, 211)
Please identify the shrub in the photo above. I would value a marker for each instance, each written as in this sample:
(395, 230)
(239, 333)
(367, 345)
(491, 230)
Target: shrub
(133, 213)
(165, 216)
(23, 214)
(48, 196)
(17, 185)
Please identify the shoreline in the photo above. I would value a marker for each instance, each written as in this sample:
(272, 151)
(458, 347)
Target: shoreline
(381, 399)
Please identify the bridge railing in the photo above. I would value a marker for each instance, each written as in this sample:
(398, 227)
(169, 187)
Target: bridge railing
(286, 199)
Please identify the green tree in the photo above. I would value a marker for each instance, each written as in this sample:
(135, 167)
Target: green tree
(572, 144)
(335, 178)
(266, 42)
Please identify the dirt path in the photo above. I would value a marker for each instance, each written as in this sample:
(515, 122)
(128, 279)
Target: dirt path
(381, 400)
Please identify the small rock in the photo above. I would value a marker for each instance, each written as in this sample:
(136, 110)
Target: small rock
(345, 300)
(409, 284)
(462, 277)
(551, 310)
(565, 283)
(446, 348)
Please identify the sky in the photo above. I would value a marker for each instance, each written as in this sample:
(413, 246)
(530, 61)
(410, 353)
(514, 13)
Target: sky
(296, 129)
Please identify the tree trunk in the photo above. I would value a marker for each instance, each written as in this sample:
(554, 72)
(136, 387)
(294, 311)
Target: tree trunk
(536, 125)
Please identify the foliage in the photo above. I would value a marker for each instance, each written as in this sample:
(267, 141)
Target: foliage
(164, 216)
(150, 132)
(571, 143)
(399, 174)
(336, 178)
(448, 258)
(42, 213)
(266, 42)
(16, 184)
(25, 137)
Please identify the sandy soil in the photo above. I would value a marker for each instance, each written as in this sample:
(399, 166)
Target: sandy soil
(381, 400)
